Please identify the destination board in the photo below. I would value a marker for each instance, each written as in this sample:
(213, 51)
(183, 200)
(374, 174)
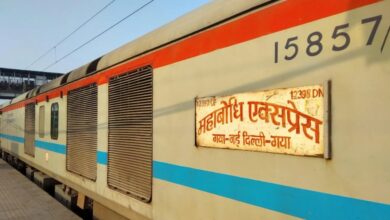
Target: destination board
(287, 121)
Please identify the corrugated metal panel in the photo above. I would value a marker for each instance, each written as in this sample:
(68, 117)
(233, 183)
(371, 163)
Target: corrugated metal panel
(29, 129)
(19, 98)
(130, 137)
(51, 85)
(82, 131)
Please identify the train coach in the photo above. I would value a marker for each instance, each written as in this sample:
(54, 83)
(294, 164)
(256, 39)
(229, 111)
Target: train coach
(250, 109)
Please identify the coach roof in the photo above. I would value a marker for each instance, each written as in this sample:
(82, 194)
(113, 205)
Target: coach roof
(197, 20)
(205, 16)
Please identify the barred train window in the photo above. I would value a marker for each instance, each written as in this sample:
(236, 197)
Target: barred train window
(29, 129)
(130, 135)
(54, 121)
(41, 128)
(81, 132)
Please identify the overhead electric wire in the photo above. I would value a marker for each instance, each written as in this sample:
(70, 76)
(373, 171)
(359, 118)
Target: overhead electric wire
(74, 31)
(98, 35)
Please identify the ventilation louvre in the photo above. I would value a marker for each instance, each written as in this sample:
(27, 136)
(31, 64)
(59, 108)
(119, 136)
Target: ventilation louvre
(81, 134)
(29, 129)
(92, 66)
(65, 78)
(130, 137)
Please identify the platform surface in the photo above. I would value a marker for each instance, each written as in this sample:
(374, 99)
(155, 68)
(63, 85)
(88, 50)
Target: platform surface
(22, 199)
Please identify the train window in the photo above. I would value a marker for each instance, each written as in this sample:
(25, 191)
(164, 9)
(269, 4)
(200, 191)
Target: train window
(54, 121)
(130, 134)
(41, 128)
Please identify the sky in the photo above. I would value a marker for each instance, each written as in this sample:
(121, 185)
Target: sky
(30, 28)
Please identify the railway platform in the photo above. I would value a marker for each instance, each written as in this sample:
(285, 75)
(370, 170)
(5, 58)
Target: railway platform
(22, 199)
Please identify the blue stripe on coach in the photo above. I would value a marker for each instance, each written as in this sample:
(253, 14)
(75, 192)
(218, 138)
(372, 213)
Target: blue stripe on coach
(57, 148)
(288, 200)
(12, 138)
(102, 157)
(285, 199)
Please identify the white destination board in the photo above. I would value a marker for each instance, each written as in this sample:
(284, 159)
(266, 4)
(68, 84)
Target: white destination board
(288, 121)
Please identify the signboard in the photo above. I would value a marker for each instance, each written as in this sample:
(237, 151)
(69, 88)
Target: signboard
(287, 121)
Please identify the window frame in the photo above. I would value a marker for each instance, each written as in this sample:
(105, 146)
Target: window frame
(54, 132)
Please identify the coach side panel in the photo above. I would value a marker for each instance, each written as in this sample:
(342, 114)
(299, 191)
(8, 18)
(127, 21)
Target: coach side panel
(12, 132)
(199, 183)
